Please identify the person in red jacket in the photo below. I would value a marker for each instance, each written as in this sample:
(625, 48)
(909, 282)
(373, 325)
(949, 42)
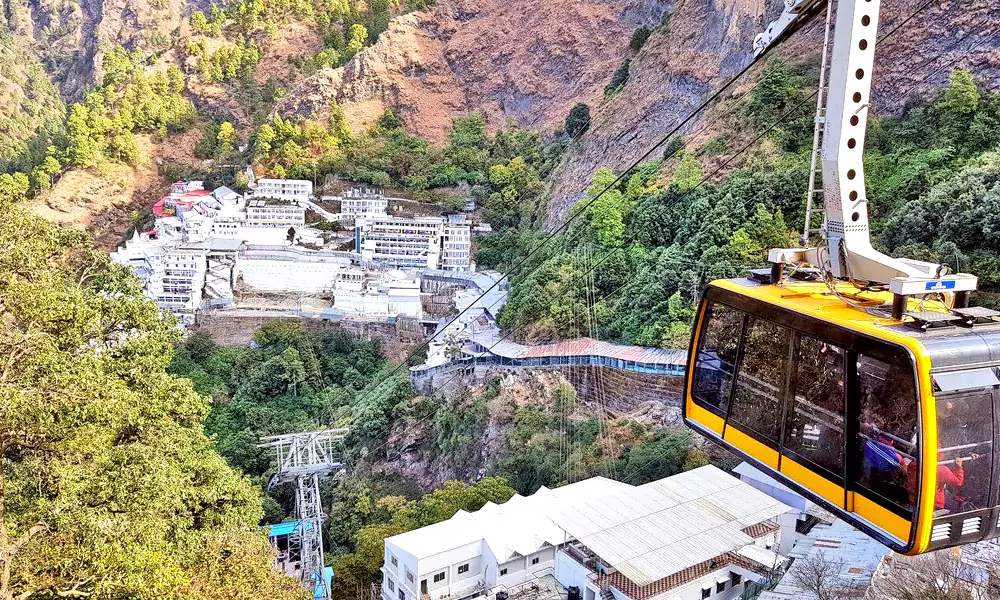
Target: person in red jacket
(953, 478)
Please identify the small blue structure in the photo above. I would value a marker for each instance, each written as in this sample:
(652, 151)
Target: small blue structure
(328, 575)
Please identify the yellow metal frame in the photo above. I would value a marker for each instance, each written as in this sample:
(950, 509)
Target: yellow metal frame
(816, 301)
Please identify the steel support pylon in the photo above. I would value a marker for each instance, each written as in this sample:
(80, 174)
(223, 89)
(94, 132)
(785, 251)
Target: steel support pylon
(305, 458)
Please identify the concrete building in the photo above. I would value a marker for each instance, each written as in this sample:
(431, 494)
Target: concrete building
(363, 202)
(274, 213)
(292, 190)
(402, 242)
(390, 294)
(697, 535)
(173, 276)
(456, 244)
(414, 242)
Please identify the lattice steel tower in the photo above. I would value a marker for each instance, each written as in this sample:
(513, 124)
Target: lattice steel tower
(305, 458)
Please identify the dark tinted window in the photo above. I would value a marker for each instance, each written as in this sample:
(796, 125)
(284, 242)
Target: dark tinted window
(815, 428)
(761, 380)
(716, 362)
(886, 437)
(965, 438)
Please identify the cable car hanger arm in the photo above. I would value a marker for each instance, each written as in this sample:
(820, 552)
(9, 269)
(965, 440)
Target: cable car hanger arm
(846, 228)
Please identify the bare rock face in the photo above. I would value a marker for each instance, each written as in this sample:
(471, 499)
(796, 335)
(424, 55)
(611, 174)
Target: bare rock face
(523, 60)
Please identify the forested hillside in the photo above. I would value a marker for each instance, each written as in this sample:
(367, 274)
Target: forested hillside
(110, 486)
(652, 244)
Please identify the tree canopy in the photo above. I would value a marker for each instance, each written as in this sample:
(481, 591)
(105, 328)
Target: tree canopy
(110, 487)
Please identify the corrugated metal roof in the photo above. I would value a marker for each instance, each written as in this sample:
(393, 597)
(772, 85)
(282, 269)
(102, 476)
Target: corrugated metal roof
(580, 347)
(655, 530)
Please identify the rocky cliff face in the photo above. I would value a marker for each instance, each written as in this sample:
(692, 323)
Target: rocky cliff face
(531, 61)
(512, 59)
(71, 36)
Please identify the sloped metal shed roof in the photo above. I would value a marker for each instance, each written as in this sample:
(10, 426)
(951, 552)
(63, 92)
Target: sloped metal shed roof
(652, 531)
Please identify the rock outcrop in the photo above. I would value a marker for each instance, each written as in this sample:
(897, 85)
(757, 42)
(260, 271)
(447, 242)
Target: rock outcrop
(523, 60)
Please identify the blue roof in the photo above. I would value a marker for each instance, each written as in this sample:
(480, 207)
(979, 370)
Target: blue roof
(286, 528)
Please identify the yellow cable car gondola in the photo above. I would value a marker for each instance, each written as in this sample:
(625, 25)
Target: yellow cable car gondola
(863, 381)
(890, 426)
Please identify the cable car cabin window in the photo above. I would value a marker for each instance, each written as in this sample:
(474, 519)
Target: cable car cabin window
(965, 451)
(717, 345)
(760, 380)
(886, 435)
(815, 429)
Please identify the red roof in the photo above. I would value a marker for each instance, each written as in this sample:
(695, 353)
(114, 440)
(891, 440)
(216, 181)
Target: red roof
(158, 208)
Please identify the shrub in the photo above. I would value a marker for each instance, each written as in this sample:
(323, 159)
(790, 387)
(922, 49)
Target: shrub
(578, 120)
(639, 38)
(618, 80)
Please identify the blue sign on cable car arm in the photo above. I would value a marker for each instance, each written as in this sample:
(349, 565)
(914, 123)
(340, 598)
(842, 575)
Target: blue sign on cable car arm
(935, 286)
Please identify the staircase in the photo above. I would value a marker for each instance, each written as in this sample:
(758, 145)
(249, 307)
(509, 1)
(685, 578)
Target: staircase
(606, 594)
(815, 216)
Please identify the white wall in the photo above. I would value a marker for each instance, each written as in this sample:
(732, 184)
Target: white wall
(449, 562)
(693, 590)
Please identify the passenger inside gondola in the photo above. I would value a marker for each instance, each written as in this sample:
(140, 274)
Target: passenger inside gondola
(887, 433)
(965, 436)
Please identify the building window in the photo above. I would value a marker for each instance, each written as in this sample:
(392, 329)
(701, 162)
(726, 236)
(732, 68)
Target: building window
(463, 568)
(393, 560)
(439, 577)
(736, 578)
(402, 594)
(409, 576)
(720, 586)
(503, 572)
(389, 584)
(534, 561)
(706, 592)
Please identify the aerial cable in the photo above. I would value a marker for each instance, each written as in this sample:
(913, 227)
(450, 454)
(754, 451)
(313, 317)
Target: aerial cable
(576, 213)
(618, 180)
(677, 261)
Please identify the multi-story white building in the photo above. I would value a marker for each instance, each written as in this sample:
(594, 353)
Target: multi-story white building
(274, 213)
(698, 535)
(415, 242)
(402, 242)
(363, 202)
(456, 244)
(173, 276)
(292, 190)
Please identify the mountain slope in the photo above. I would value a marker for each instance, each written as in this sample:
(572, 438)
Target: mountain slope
(707, 44)
(512, 59)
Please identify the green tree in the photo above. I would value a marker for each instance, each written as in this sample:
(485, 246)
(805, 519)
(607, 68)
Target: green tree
(226, 138)
(199, 22)
(639, 38)
(578, 120)
(111, 489)
(618, 79)
(688, 173)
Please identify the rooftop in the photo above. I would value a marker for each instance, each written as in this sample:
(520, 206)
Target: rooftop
(522, 525)
(581, 347)
(850, 553)
(647, 533)
(661, 528)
